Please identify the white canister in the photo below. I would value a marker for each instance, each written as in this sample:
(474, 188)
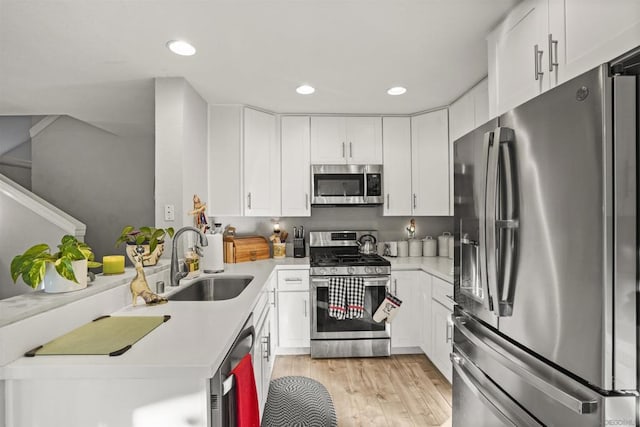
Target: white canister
(403, 248)
(393, 248)
(429, 246)
(443, 244)
(451, 247)
(380, 246)
(415, 247)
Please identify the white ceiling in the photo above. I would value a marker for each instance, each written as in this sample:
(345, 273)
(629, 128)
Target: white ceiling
(96, 59)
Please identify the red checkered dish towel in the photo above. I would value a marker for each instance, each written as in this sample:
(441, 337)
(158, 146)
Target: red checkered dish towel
(337, 298)
(346, 297)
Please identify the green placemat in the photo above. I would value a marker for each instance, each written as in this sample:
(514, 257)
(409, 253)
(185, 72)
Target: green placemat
(106, 335)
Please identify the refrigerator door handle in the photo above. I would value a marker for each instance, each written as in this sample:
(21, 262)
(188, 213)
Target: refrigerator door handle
(578, 405)
(482, 244)
(488, 393)
(489, 223)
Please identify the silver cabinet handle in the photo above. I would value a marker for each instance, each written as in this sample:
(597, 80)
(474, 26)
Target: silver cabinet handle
(449, 332)
(553, 47)
(578, 405)
(388, 201)
(293, 279)
(273, 303)
(537, 62)
(343, 152)
(249, 200)
(265, 349)
(306, 201)
(304, 303)
(351, 150)
(395, 287)
(415, 203)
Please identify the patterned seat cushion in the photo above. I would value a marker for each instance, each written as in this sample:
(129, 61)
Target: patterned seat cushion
(299, 402)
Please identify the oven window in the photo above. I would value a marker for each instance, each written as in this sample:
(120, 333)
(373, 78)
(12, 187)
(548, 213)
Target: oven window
(373, 297)
(338, 185)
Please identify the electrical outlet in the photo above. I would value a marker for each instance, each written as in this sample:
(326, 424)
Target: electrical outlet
(169, 213)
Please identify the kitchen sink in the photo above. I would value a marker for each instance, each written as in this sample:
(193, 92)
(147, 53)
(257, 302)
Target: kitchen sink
(213, 289)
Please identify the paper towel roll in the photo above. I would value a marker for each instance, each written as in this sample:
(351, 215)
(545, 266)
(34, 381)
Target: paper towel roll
(212, 259)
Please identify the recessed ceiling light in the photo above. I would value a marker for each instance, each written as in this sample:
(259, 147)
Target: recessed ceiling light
(397, 90)
(180, 47)
(305, 90)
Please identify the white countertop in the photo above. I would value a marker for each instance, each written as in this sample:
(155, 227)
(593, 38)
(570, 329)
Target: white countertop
(441, 267)
(195, 340)
(192, 343)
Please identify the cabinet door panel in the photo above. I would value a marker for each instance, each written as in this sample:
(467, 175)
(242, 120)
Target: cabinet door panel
(328, 140)
(512, 58)
(592, 32)
(430, 164)
(296, 166)
(261, 164)
(441, 338)
(364, 140)
(396, 143)
(293, 319)
(405, 326)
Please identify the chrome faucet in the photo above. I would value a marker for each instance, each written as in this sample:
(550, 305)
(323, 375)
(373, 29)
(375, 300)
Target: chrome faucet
(176, 274)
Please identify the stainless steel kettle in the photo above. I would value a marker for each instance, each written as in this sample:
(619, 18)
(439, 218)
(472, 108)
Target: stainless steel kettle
(367, 243)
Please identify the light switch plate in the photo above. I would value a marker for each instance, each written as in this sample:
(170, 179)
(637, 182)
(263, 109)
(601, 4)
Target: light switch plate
(169, 213)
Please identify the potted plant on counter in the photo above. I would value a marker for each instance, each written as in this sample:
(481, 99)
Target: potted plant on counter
(151, 239)
(62, 271)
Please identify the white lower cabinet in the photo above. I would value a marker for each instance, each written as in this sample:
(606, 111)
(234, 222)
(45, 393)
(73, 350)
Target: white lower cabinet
(294, 311)
(424, 281)
(441, 326)
(406, 325)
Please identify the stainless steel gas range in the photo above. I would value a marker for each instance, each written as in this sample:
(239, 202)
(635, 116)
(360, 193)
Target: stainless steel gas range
(335, 254)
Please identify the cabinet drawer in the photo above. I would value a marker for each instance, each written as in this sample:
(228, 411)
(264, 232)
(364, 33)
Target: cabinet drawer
(293, 280)
(442, 292)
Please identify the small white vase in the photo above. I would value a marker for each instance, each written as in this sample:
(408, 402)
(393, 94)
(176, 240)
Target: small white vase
(55, 283)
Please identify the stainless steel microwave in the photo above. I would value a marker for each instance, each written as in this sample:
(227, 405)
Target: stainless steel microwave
(346, 185)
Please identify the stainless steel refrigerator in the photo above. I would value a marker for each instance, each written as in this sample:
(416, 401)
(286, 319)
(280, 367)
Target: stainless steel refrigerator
(546, 323)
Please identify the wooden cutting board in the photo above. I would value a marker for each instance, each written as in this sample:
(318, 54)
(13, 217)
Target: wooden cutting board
(106, 335)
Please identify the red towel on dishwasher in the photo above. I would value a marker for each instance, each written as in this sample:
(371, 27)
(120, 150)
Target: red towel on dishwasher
(247, 409)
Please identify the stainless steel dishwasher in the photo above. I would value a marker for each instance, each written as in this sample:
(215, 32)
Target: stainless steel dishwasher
(223, 400)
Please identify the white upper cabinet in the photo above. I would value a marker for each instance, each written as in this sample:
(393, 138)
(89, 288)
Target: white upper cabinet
(396, 143)
(364, 139)
(589, 33)
(261, 164)
(572, 36)
(341, 140)
(430, 164)
(481, 103)
(517, 53)
(296, 165)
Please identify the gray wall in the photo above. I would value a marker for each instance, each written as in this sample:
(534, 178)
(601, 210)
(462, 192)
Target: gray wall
(104, 180)
(20, 175)
(357, 218)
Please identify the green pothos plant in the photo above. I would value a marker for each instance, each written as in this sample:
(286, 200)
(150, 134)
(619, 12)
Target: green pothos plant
(143, 236)
(32, 264)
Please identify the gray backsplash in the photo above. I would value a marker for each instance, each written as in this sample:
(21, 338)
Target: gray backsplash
(343, 218)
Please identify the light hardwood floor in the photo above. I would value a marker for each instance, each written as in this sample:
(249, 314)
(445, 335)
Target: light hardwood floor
(402, 390)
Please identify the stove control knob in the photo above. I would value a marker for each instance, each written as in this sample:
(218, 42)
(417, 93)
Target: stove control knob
(379, 269)
(333, 270)
(368, 270)
(322, 271)
(351, 270)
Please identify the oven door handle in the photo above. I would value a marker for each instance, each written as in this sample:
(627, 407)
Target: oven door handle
(368, 281)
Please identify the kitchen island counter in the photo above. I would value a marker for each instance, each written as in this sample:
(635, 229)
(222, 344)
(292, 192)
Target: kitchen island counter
(192, 343)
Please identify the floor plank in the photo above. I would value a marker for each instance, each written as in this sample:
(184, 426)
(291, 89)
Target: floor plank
(401, 390)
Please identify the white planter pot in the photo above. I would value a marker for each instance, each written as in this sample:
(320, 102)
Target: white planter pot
(55, 283)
